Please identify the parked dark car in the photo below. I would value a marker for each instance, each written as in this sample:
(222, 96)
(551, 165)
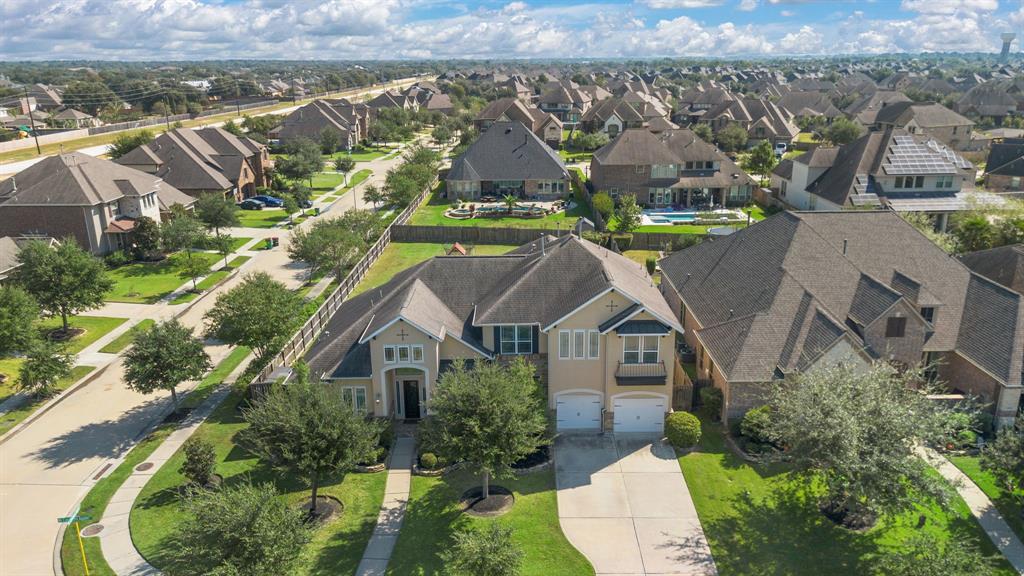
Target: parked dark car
(271, 201)
(251, 204)
(306, 204)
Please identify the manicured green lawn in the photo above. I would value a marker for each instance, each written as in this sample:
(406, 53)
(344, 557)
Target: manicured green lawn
(431, 213)
(336, 547)
(326, 181)
(202, 286)
(641, 256)
(433, 515)
(121, 342)
(236, 243)
(148, 282)
(573, 156)
(355, 180)
(266, 218)
(95, 328)
(11, 419)
(806, 138)
(400, 255)
(95, 502)
(362, 154)
(1008, 506)
(759, 520)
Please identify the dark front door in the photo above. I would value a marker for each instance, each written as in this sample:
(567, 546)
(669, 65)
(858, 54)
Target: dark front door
(411, 393)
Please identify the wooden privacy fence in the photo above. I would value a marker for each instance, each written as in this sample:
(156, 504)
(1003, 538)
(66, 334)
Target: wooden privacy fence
(296, 346)
(585, 191)
(511, 236)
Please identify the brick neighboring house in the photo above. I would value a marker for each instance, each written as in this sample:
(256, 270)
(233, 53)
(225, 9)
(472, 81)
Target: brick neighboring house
(508, 159)
(927, 118)
(611, 116)
(1004, 169)
(201, 161)
(762, 120)
(865, 110)
(671, 168)
(349, 122)
(567, 103)
(95, 201)
(544, 125)
(1004, 265)
(590, 320)
(806, 289)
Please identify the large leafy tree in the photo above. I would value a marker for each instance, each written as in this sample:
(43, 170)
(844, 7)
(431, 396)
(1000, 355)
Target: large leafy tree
(242, 529)
(627, 214)
(128, 141)
(309, 430)
(146, 237)
(216, 211)
(304, 159)
(732, 138)
(489, 416)
(854, 431)
(45, 364)
(1004, 457)
(64, 279)
(842, 131)
(761, 159)
(703, 131)
(89, 96)
(973, 231)
(162, 357)
(257, 313)
(329, 140)
(928, 557)
(18, 313)
(335, 244)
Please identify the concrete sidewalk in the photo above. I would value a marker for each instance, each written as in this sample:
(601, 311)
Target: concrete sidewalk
(392, 511)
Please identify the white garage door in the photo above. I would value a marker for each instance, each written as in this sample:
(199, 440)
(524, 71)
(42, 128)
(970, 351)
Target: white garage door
(639, 415)
(578, 411)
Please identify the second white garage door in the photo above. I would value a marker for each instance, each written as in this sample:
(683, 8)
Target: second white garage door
(639, 415)
(578, 411)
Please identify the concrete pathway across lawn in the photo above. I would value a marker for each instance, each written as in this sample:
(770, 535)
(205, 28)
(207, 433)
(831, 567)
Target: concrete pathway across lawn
(623, 503)
(981, 508)
(392, 510)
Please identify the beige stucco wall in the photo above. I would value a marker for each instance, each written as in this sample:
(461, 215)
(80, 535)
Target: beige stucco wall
(383, 373)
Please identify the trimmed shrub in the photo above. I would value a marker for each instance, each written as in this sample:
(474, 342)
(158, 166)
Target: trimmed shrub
(711, 400)
(199, 461)
(755, 424)
(117, 259)
(652, 264)
(428, 460)
(682, 429)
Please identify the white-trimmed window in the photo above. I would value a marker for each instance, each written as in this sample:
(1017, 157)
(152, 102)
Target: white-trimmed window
(417, 353)
(945, 181)
(404, 353)
(640, 350)
(564, 340)
(515, 339)
(389, 354)
(579, 350)
(354, 396)
(594, 344)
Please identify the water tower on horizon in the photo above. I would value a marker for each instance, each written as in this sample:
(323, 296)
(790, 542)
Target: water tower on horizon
(1008, 38)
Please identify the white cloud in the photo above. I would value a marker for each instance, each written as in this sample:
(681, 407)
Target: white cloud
(663, 4)
(747, 5)
(787, 13)
(805, 41)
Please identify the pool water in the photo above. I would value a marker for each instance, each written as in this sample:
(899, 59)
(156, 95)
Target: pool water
(673, 217)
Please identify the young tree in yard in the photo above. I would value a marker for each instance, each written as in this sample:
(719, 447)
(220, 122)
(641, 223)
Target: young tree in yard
(223, 245)
(330, 142)
(64, 279)
(310, 431)
(304, 159)
(510, 202)
(441, 135)
(18, 314)
(842, 131)
(703, 131)
(216, 211)
(372, 193)
(732, 138)
(1004, 458)
(45, 363)
(604, 204)
(861, 452)
(300, 192)
(489, 551)
(257, 313)
(973, 232)
(627, 214)
(239, 530)
(163, 356)
(928, 557)
(125, 143)
(290, 206)
(191, 268)
(490, 416)
(337, 243)
(761, 160)
(183, 233)
(344, 164)
(234, 129)
(146, 237)
(200, 458)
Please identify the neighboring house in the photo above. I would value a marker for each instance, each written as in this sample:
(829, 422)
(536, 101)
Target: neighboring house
(891, 169)
(201, 161)
(591, 320)
(988, 102)
(71, 118)
(611, 116)
(1004, 169)
(865, 110)
(311, 120)
(392, 99)
(95, 201)
(568, 104)
(508, 159)
(672, 168)
(544, 125)
(928, 118)
(805, 290)
(1004, 265)
(762, 120)
(809, 105)
(11, 247)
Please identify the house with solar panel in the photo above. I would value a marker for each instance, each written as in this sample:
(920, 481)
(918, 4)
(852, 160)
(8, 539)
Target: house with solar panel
(889, 169)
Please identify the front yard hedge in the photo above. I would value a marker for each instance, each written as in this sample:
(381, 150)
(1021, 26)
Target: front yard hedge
(682, 429)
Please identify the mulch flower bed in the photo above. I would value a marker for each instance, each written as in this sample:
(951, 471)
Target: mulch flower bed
(59, 335)
(498, 502)
(539, 460)
(327, 507)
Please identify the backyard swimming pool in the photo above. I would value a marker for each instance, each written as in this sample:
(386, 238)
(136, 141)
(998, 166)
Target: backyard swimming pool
(670, 217)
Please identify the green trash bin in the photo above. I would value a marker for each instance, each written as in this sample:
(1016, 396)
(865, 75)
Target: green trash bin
(268, 243)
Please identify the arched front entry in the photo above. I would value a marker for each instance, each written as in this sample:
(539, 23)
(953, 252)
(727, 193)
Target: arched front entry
(406, 391)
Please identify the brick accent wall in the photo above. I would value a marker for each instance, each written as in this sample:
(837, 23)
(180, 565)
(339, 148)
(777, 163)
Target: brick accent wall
(56, 221)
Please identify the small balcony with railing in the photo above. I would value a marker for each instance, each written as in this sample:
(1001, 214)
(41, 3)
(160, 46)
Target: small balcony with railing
(652, 374)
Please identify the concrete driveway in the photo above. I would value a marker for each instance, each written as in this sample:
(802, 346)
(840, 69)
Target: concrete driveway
(623, 503)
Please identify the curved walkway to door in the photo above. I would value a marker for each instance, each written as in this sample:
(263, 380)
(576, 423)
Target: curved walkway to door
(623, 503)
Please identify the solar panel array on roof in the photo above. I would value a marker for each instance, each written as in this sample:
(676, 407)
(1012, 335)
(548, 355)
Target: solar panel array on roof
(907, 156)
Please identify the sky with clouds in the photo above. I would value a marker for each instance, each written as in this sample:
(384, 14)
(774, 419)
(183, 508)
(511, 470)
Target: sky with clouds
(414, 29)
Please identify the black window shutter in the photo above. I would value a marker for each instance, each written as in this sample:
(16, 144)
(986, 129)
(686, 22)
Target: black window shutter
(497, 339)
(536, 339)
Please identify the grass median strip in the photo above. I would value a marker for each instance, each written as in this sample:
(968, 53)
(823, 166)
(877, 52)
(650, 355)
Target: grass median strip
(118, 344)
(14, 417)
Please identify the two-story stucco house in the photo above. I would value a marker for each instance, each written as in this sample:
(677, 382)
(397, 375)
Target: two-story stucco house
(592, 321)
(95, 201)
(806, 289)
